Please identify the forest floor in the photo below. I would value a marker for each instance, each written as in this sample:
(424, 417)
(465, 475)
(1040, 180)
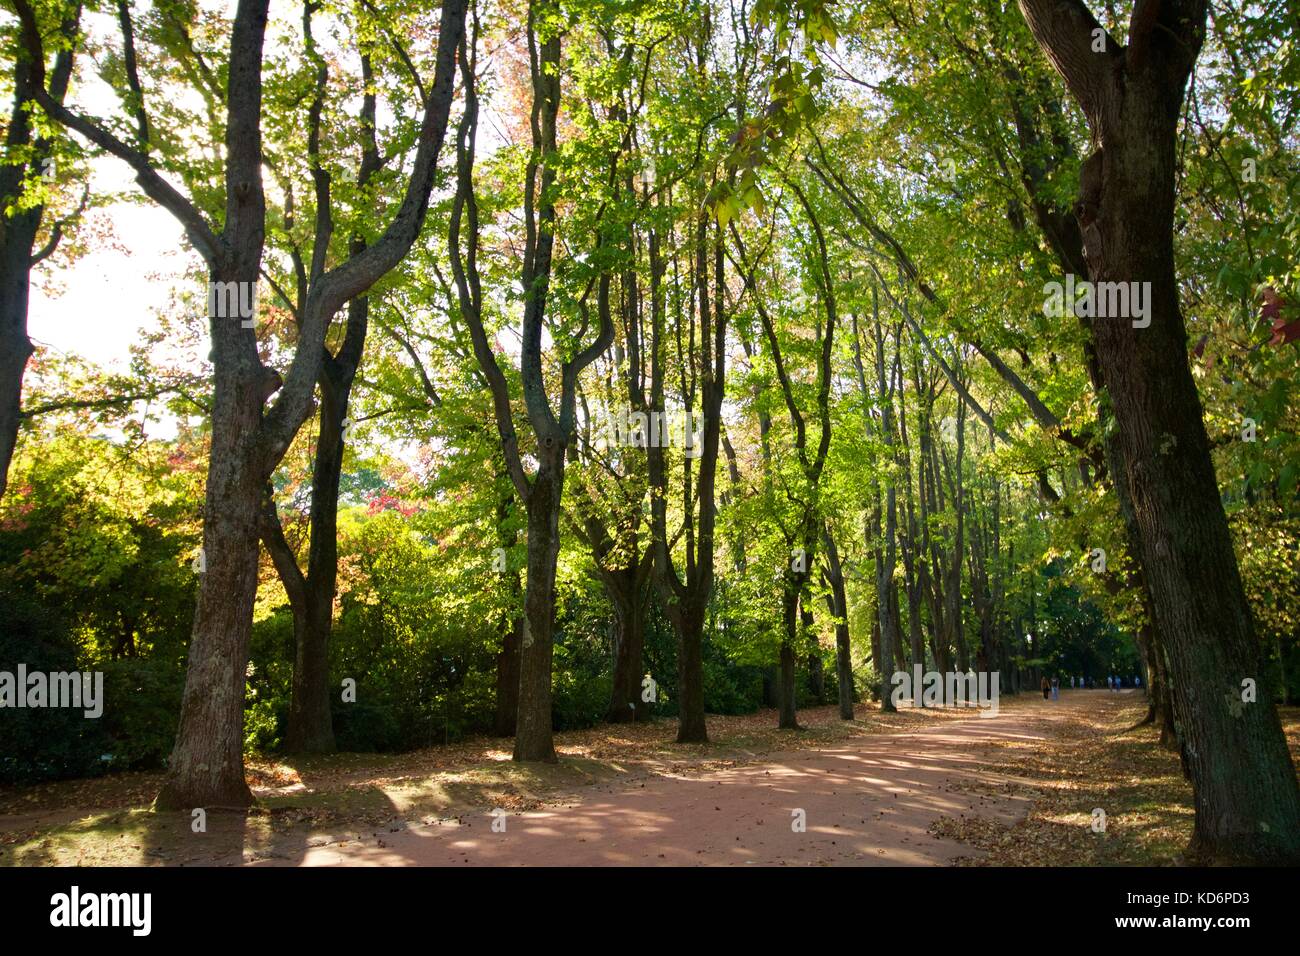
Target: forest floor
(917, 787)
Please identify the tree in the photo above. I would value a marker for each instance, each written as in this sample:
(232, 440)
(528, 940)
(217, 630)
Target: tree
(30, 165)
(1247, 799)
(540, 492)
(249, 439)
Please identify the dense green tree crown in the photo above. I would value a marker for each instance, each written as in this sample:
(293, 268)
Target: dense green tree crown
(793, 304)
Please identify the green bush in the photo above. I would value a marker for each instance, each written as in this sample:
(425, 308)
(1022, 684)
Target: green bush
(142, 706)
(45, 743)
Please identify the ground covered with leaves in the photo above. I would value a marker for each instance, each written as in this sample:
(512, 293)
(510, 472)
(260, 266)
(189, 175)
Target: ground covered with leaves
(1093, 759)
(1083, 754)
(108, 820)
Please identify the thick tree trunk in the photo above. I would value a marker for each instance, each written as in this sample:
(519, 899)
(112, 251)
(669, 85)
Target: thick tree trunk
(1247, 801)
(626, 702)
(310, 728)
(1245, 791)
(206, 768)
(533, 734)
(691, 727)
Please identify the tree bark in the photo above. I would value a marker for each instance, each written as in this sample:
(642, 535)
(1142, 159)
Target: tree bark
(787, 719)
(506, 718)
(249, 439)
(627, 592)
(206, 768)
(512, 634)
(533, 733)
(838, 606)
(1245, 791)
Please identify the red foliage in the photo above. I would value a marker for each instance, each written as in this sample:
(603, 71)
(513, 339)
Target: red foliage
(383, 501)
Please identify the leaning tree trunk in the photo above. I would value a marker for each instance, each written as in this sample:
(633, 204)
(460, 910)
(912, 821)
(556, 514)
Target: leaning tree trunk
(1244, 784)
(310, 726)
(1247, 801)
(206, 768)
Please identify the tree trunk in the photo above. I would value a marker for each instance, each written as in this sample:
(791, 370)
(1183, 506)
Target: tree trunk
(790, 623)
(627, 596)
(533, 735)
(310, 727)
(838, 605)
(18, 231)
(1245, 791)
(691, 728)
(816, 673)
(206, 768)
(1247, 801)
(511, 629)
(15, 346)
(507, 688)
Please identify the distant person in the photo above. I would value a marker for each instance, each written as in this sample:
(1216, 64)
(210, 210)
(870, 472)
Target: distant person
(1046, 688)
(1056, 688)
(1137, 680)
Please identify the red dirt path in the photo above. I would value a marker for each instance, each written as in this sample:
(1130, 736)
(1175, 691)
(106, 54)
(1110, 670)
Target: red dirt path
(868, 801)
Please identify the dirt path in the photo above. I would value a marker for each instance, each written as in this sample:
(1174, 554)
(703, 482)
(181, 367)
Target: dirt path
(869, 800)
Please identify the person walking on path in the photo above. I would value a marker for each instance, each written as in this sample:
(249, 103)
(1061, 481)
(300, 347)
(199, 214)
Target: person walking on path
(1046, 688)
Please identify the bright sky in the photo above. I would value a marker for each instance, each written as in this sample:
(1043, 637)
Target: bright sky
(95, 307)
(105, 297)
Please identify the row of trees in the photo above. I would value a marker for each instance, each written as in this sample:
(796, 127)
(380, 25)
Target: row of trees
(823, 235)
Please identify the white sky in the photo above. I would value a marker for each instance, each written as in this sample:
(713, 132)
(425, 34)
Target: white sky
(101, 301)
